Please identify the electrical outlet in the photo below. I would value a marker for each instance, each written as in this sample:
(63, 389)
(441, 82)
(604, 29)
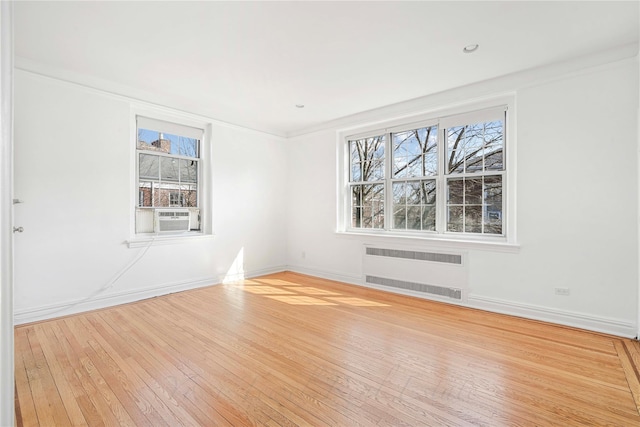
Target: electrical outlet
(563, 291)
(303, 255)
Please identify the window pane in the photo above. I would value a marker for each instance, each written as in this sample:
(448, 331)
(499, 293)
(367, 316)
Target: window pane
(189, 195)
(378, 214)
(144, 194)
(160, 196)
(428, 192)
(399, 193)
(482, 204)
(176, 198)
(473, 161)
(414, 194)
(409, 200)
(187, 146)
(415, 152)
(455, 193)
(372, 206)
(471, 146)
(493, 190)
(454, 218)
(367, 217)
(473, 219)
(188, 171)
(356, 206)
(455, 136)
(356, 172)
(400, 217)
(400, 166)
(493, 219)
(494, 146)
(475, 147)
(356, 216)
(152, 140)
(356, 195)
(431, 162)
(376, 172)
(429, 218)
(473, 138)
(473, 191)
(367, 155)
(455, 160)
(414, 218)
(148, 166)
(169, 169)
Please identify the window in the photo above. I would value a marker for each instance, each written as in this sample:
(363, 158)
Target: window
(168, 170)
(445, 176)
(176, 198)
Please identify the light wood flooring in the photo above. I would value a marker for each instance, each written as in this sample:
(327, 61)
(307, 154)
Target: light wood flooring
(288, 349)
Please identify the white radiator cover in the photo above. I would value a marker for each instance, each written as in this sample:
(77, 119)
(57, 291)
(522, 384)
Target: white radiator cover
(423, 272)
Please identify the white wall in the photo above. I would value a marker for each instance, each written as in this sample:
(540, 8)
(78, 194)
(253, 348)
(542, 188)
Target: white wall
(577, 198)
(72, 170)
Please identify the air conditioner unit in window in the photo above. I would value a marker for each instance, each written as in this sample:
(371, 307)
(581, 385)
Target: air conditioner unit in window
(172, 220)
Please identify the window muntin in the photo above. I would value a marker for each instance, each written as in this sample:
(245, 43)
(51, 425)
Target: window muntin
(167, 169)
(447, 177)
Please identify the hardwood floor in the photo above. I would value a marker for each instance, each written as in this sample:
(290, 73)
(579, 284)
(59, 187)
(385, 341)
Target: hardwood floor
(288, 349)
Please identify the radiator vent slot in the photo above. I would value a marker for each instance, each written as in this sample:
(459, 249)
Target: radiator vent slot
(416, 255)
(416, 287)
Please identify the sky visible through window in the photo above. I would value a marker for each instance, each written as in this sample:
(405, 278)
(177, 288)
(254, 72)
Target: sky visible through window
(180, 145)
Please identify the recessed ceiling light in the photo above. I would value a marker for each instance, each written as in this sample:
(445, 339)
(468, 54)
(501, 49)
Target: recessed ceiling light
(299, 105)
(471, 48)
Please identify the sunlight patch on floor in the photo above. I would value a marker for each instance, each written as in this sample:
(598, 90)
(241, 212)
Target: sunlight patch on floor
(313, 291)
(267, 290)
(298, 294)
(358, 302)
(278, 282)
(300, 300)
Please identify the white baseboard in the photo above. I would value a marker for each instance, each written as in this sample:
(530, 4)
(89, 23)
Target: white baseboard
(45, 312)
(250, 274)
(568, 318)
(50, 311)
(605, 325)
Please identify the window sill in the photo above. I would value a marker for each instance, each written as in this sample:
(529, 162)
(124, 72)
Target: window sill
(170, 239)
(437, 241)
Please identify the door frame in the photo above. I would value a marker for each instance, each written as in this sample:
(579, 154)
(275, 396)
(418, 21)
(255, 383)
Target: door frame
(7, 404)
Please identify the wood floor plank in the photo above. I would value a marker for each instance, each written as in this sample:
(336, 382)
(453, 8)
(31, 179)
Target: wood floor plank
(293, 350)
(159, 398)
(96, 387)
(65, 388)
(43, 386)
(28, 416)
(152, 359)
(630, 361)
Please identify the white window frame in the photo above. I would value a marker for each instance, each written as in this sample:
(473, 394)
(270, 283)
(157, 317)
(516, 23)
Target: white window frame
(204, 175)
(443, 118)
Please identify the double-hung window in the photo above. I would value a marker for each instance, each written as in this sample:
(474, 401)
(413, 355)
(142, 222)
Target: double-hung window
(168, 170)
(444, 176)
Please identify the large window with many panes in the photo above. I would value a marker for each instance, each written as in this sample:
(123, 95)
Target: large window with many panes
(443, 176)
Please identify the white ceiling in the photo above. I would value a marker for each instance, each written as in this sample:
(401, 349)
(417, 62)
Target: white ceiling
(249, 63)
